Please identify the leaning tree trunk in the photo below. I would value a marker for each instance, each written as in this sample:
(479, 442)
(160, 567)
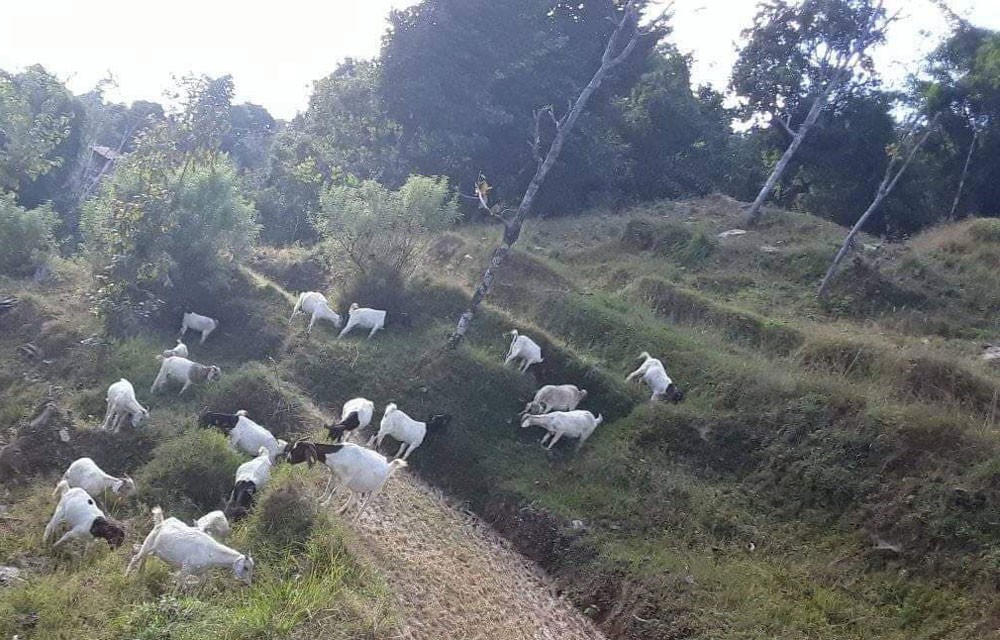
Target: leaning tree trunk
(965, 173)
(756, 209)
(564, 125)
(884, 189)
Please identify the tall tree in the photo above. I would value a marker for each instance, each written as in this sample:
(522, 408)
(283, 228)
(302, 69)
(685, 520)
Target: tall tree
(806, 52)
(621, 43)
(964, 84)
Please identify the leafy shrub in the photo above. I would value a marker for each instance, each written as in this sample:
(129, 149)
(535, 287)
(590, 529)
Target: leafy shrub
(163, 225)
(285, 516)
(985, 229)
(190, 474)
(384, 230)
(25, 235)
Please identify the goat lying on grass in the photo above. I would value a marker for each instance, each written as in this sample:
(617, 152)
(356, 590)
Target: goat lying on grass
(364, 472)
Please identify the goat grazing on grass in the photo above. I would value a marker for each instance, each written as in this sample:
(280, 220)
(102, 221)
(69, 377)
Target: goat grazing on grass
(214, 523)
(189, 550)
(374, 319)
(525, 350)
(184, 370)
(356, 414)
(573, 424)
(555, 397)
(408, 431)
(180, 350)
(655, 376)
(85, 473)
(197, 322)
(251, 477)
(315, 304)
(121, 402)
(363, 471)
(244, 434)
(85, 520)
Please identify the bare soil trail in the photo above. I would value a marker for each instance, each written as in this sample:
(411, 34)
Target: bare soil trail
(456, 578)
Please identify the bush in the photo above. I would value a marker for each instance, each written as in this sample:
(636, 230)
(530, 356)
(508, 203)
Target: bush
(382, 230)
(25, 235)
(190, 474)
(284, 518)
(155, 230)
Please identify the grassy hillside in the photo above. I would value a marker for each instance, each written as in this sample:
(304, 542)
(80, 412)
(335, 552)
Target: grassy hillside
(832, 474)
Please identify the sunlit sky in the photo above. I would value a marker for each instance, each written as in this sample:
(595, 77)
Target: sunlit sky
(275, 50)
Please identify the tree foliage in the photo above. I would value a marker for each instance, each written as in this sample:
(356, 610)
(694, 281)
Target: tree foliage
(25, 235)
(386, 231)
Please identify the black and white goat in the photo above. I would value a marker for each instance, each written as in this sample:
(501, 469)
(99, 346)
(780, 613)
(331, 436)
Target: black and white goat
(408, 431)
(362, 471)
(251, 477)
(80, 513)
(356, 414)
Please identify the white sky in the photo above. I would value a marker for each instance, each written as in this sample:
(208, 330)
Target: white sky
(274, 50)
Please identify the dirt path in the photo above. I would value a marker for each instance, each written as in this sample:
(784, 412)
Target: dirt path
(454, 577)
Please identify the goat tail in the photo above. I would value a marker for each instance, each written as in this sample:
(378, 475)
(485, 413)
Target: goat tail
(159, 357)
(645, 355)
(241, 412)
(394, 466)
(389, 408)
(60, 489)
(157, 516)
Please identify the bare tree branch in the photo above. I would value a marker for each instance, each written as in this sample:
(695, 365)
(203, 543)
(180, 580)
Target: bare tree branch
(889, 180)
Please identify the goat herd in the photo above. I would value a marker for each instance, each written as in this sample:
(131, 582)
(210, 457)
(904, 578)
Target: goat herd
(194, 548)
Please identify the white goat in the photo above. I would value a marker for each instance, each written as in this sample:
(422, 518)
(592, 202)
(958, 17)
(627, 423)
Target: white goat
(189, 550)
(402, 427)
(362, 471)
(184, 370)
(248, 436)
(315, 304)
(214, 523)
(655, 376)
(180, 350)
(78, 510)
(556, 397)
(85, 473)
(197, 322)
(357, 413)
(121, 401)
(524, 349)
(573, 424)
(365, 318)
